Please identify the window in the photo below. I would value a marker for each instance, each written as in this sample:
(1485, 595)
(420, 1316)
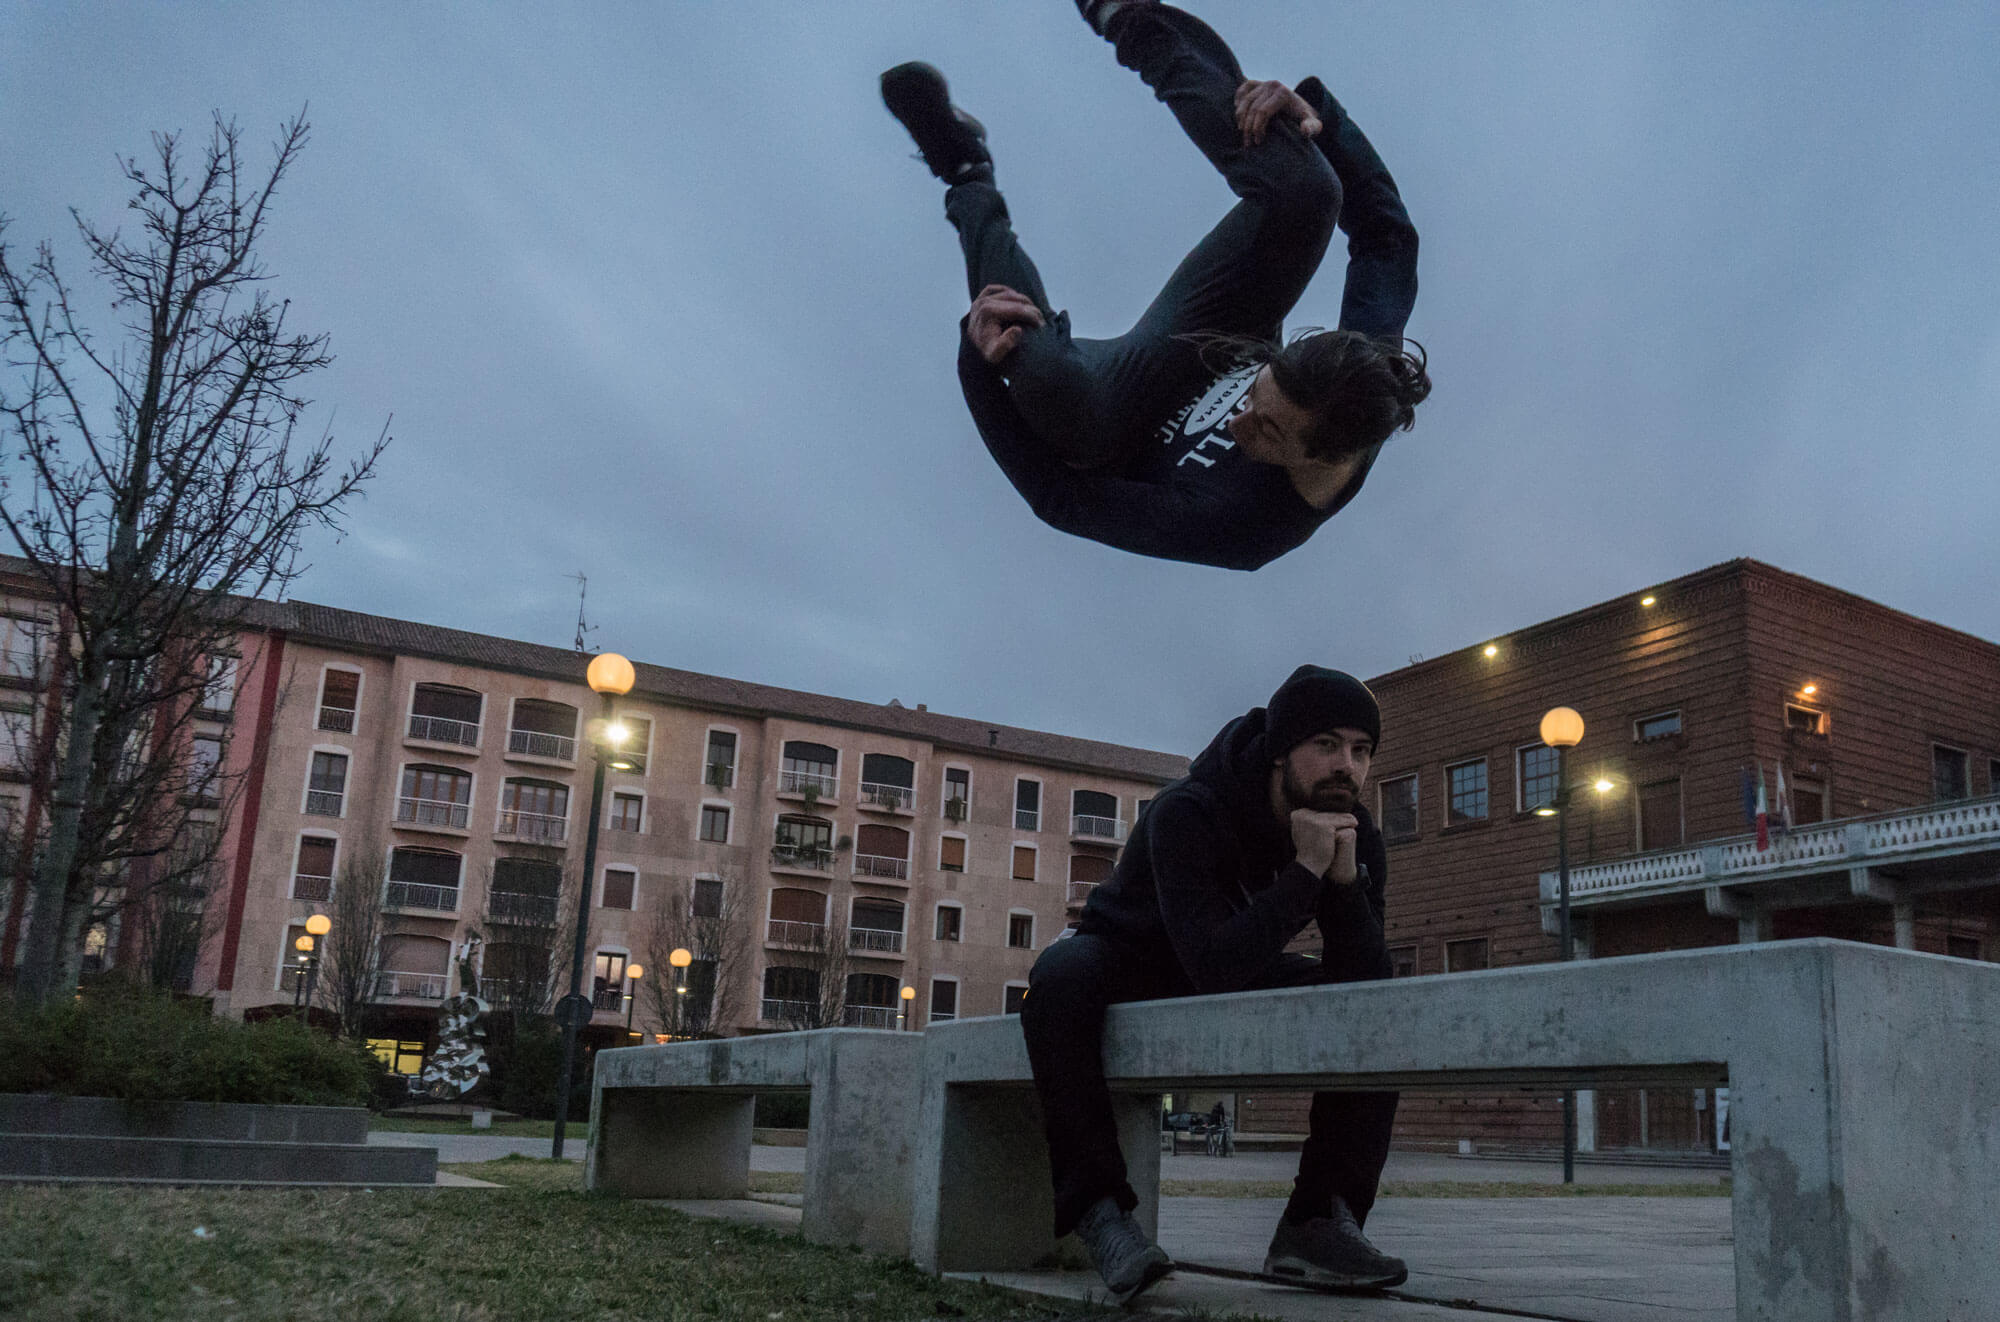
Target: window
(339, 697)
(719, 762)
(1094, 813)
(1465, 792)
(809, 766)
(1472, 953)
(1808, 800)
(535, 810)
(957, 794)
(620, 885)
(950, 922)
(875, 925)
(1024, 862)
(422, 879)
(1961, 947)
(628, 810)
(1011, 998)
(1027, 805)
(1993, 776)
(803, 841)
(542, 729)
(715, 823)
(951, 853)
(1402, 961)
(1660, 814)
(218, 691)
(1804, 720)
(401, 1057)
(526, 891)
(327, 784)
(1021, 931)
(608, 980)
(791, 995)
(1399, 807)
(1951, 773)
(21, 648)
(1656, 727)
(706, 901)
(944, 1000)
(1085, 872)
(888, 781)
(434, 796)
(17, 738)
(205, 763)
(637, 745)
(312, 876)
(446, 714)
(1538, 771)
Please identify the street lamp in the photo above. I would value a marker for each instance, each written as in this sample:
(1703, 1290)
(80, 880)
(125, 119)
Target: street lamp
(609, 676)
(1562, 730)
(317, 927)
(304, 945)
(908, 994)
(633, 972)
(680, 959)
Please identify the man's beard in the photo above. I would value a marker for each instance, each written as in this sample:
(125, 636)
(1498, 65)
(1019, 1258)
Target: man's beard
(1328, 794)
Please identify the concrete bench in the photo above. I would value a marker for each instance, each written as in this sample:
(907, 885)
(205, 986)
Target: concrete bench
(674, 1121)
(1864, 1102)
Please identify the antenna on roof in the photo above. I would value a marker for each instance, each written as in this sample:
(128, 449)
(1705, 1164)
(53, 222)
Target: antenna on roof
(582, 594)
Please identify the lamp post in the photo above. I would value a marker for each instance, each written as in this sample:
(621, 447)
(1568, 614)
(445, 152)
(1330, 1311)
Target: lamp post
(1562, 730)
(304, 945)
(908, 994)
(317, 927)
(633, 972)
(609, 676)
(680, 959)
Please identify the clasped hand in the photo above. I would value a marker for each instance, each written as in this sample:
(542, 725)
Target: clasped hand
(1325, 843)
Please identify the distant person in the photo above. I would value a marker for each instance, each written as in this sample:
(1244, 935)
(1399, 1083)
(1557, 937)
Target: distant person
(1200, 434)
(1264, 834)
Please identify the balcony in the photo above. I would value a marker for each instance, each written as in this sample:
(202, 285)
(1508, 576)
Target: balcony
(420, 896)
(608, 998)
(306, 886)
(957, 809)
(794, 934)
(534, 743)
(1079, 892)
(444, 730)
(521, 907)
(719, 776)
(798, 782)
(1087, 830)
(868, 1016)
(410, 986)
(1027, 819)
(888, 798)
(1891, 857)
(540, 828)
(807, 858)
(338, 719)
(772, 1011)
(323, 803)
(874, 941)
(882, 866)
(441, 814)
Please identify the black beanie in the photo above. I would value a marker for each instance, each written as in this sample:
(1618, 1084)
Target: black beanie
(1315, 700)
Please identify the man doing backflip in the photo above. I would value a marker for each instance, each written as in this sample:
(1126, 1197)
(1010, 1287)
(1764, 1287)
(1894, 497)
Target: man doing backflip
(1199, 434)
(1265, 833)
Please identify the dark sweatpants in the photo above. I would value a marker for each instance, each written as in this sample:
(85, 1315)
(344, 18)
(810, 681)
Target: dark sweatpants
(1097, 401)
(1074, 982)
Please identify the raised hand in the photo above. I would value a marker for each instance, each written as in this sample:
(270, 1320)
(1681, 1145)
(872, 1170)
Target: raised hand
(1258, 102)
(1325, 843)
(1000, 317)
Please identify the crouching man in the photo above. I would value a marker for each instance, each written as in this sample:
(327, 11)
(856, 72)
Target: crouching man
(1228, 864)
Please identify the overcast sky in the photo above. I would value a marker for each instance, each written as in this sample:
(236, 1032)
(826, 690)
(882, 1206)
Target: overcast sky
(654, 293)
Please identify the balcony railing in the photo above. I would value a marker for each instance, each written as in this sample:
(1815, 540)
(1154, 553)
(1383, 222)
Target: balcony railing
(817, 857)
(873, 939)
(444, 730)
(339, 719)
(520, 907)
(1108, 829)
(719, 775)
(796, 782)
(1079, 891)
(881, 865)
(868, 1016)
(416, 986)
(533, 743)
(957, 809)
(305, 886)
(1027, 819)
(323, 803)
(898, 798)
(433, 812)
(543, 828)
(773, 1011)
(420, 895)
(791, 932)
(608, 998)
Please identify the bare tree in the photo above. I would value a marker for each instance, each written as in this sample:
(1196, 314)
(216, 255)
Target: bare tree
(163, 912)
(709, 917)
(528, 931)
(350, 960)
(154, 490)
(814, 993)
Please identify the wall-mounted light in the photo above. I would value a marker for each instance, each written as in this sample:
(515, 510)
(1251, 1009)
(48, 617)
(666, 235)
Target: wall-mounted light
(1490, 651)
(1808, 690)
(1648, 599)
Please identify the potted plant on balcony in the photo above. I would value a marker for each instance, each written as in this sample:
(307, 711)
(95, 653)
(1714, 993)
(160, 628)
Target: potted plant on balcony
(718, 775)
(809, 791)
(955, 809)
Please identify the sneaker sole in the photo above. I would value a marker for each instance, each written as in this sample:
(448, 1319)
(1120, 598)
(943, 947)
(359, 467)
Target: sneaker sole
(1298, 1271)
(917, 93)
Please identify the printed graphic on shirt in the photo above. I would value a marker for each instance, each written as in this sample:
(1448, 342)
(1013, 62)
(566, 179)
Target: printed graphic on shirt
(1198, 434)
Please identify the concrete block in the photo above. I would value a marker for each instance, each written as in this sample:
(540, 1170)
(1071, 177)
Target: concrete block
(861, 1138)
(96, 1157)
(49, 1113)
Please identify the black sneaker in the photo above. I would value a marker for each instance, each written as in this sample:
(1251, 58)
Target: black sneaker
(1125, 1258)
(952, 142)
(1332, 1252)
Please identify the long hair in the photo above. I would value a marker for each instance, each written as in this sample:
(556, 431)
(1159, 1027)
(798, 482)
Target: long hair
(1359, 388)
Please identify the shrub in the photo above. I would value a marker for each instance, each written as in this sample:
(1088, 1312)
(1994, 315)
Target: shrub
(526, 1061)
(147, 1046)
(783, 1110)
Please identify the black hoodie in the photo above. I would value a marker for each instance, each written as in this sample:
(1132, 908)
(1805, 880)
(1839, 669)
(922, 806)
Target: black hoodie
(1208, 880)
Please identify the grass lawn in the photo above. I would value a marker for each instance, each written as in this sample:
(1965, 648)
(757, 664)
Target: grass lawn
(536, 1249)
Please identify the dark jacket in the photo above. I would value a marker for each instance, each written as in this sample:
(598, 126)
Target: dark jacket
(1208, 880)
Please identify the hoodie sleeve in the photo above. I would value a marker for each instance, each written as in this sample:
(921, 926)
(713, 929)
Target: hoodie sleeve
(1350, 917)
(1223, 936)
(1381, 242)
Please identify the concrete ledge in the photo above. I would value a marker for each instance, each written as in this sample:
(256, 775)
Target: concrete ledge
(50, 1113)
(37, 1157)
